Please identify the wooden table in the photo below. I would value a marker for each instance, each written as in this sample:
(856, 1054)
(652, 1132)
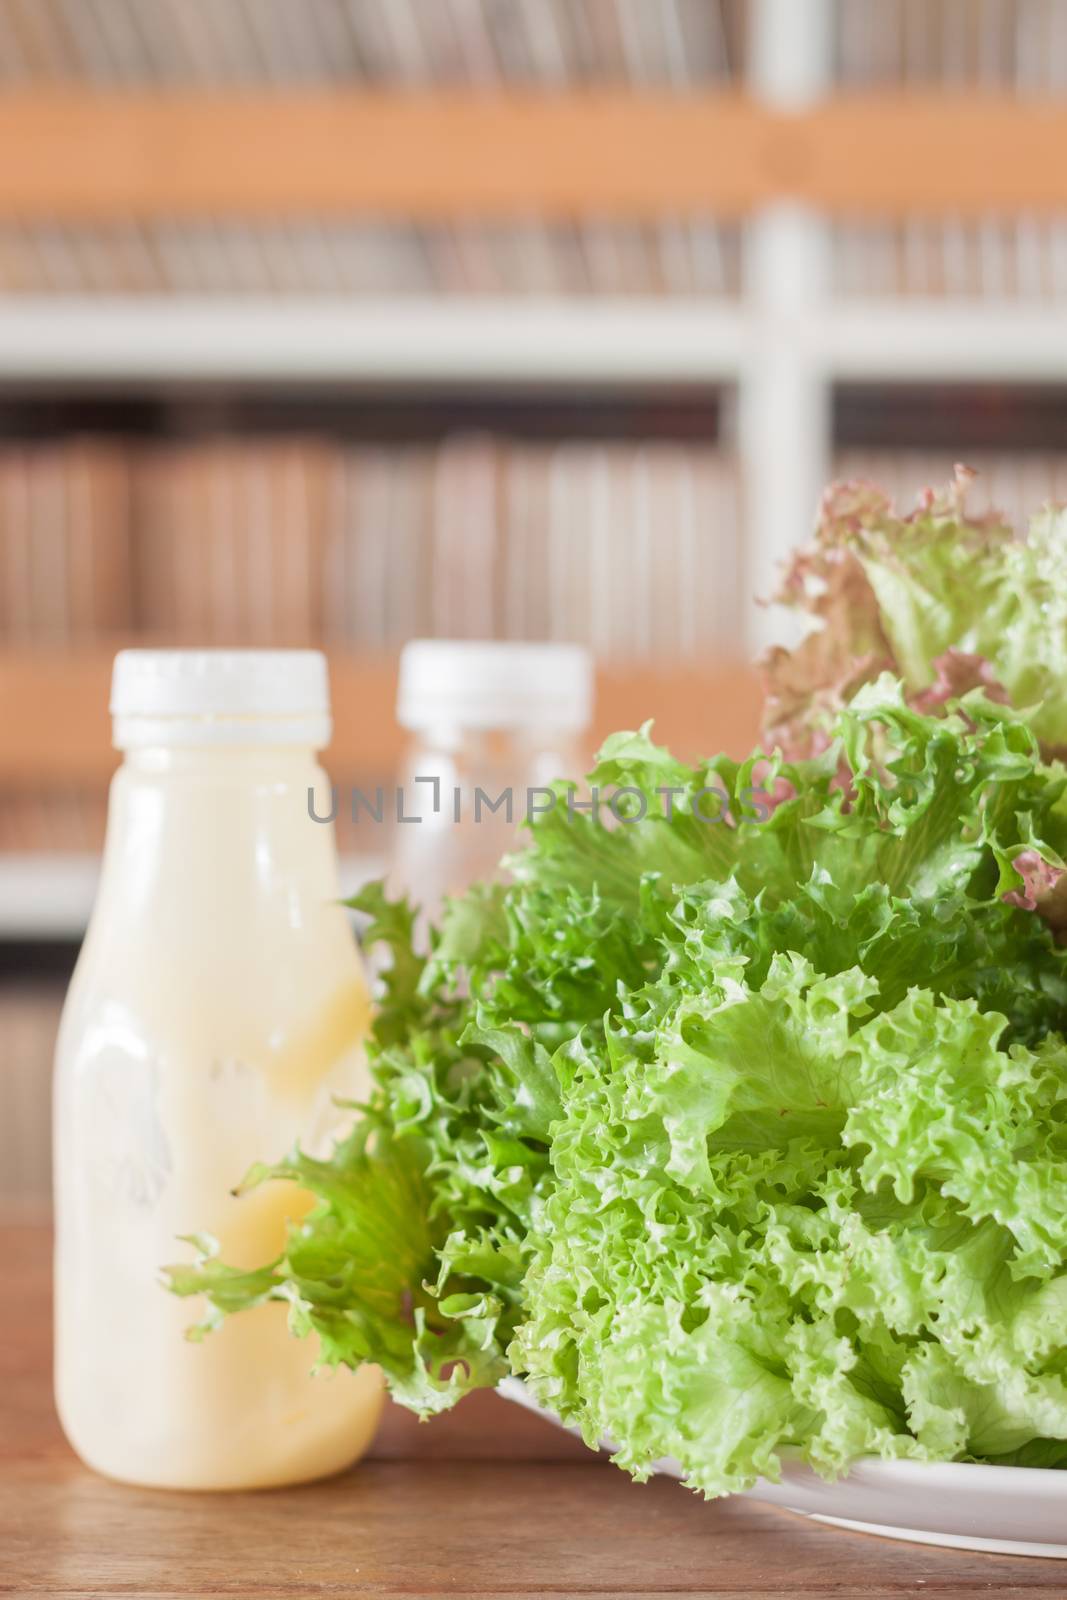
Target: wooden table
(485, 1501)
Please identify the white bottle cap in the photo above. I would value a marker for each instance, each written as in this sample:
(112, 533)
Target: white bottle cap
(459, 683)
(193, 697)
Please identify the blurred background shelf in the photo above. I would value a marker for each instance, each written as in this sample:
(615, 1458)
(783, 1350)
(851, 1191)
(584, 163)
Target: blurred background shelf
(559, 154)
(46, 895)
(940, 341)
(472, 342)
(375, 340)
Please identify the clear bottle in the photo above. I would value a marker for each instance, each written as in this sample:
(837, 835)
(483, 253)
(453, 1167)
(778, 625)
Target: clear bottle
(217, 1007)
(499, 718)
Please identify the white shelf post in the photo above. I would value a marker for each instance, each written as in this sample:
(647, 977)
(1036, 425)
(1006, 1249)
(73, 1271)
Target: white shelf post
(784, 410)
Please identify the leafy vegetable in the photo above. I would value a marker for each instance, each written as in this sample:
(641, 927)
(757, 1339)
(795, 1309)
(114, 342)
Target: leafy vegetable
(732, 1136)
(944, 601)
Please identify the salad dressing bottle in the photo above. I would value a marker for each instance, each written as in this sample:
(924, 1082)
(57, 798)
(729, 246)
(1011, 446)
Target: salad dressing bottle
(493, 724)
(217, 1008)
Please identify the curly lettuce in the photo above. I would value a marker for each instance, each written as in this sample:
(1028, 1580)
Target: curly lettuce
(733, 1130)
(943, 600)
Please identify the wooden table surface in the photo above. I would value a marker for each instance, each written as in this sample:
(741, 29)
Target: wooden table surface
(485, 1501)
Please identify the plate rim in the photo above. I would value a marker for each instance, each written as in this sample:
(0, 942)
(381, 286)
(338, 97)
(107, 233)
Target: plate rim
(1048, 1482)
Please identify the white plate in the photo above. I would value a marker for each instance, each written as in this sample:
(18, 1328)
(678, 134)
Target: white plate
(1019, 1511)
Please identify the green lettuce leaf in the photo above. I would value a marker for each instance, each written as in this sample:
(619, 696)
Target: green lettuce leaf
(943, 600)
(737, 1127)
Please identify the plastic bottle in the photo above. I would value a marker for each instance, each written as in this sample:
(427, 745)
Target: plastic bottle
(217, 1007)
(488, 719)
